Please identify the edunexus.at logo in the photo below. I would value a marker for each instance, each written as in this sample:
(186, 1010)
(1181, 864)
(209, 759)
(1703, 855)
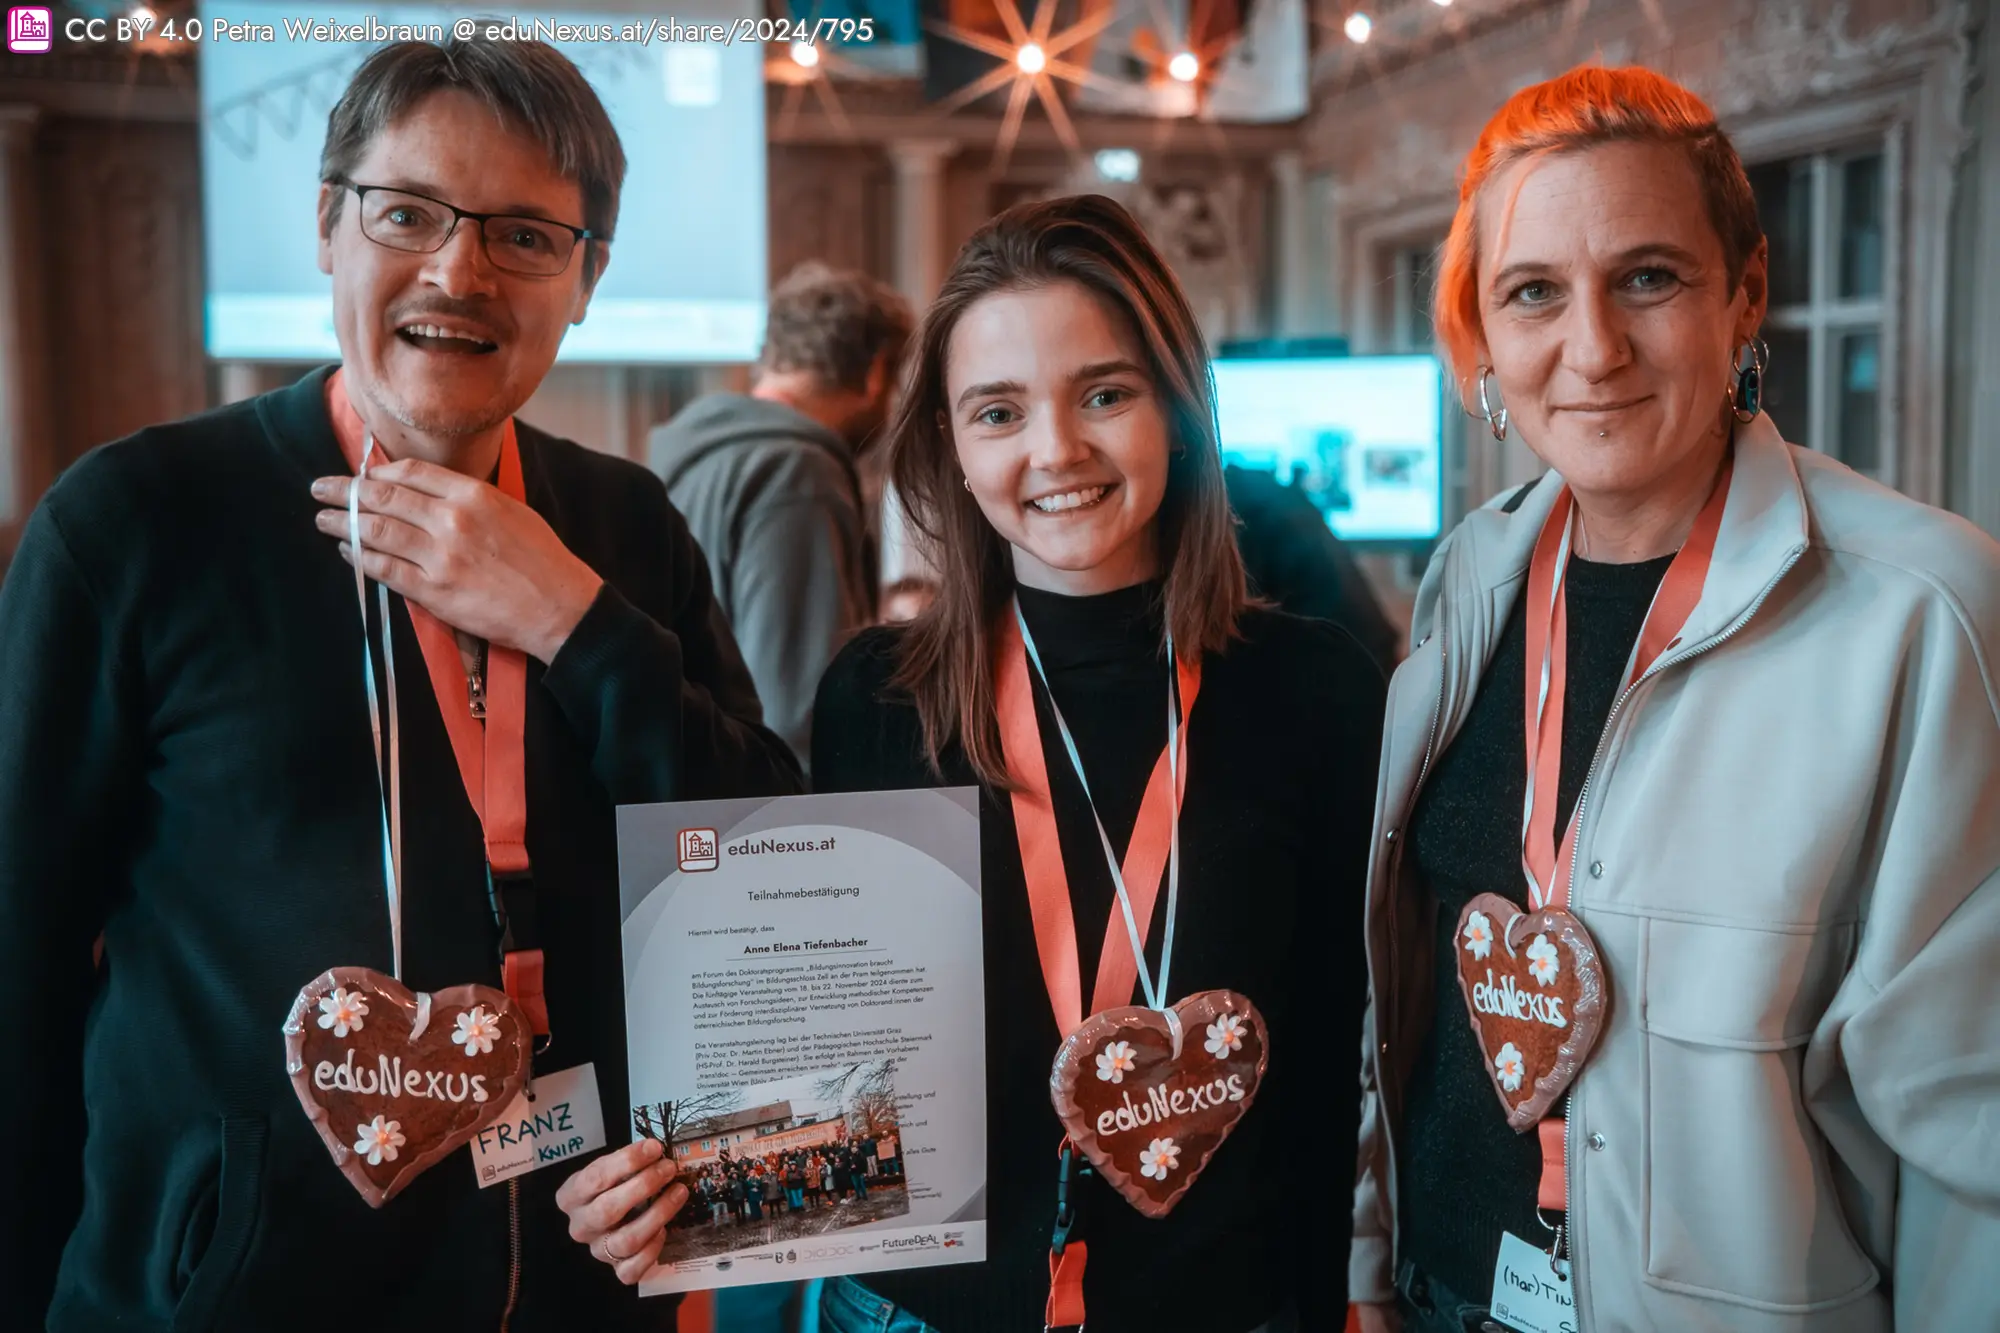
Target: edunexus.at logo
(698, 849)
(30, 29)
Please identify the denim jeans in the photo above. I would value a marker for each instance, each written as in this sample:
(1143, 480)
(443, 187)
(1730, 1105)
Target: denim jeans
(845, 1306)
(762, 1309)
(1428, 1306)
(848, 1307)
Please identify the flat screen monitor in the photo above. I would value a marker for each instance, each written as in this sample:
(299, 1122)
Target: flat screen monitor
(1361, 436)
(686, 282)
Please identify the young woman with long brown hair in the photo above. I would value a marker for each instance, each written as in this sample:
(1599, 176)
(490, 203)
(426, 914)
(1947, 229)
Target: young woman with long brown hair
(1094, 665)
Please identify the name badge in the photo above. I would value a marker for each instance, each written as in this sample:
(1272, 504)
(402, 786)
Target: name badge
(558, 1118)
(1531, 1289)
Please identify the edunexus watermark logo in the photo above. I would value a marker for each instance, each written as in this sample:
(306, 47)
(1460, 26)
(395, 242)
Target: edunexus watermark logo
(31, 29)
(698, 850)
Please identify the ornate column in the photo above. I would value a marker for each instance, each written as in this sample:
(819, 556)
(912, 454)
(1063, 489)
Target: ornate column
(238, 380)
(920, 260)
(1330, 204)
(919, 235)
(1979, 491)
(1291, 260)
(24, 413)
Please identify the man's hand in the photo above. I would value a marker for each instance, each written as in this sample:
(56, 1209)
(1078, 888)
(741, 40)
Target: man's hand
(482, 563)
(601, 1200)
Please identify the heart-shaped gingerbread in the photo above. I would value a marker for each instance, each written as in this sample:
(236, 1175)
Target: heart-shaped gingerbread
(1534, 989)
(1149, 1096)
(395, 1080)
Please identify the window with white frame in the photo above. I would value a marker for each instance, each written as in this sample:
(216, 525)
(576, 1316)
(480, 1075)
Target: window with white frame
(1412, 267)
(1414, 277)
(1831, 327)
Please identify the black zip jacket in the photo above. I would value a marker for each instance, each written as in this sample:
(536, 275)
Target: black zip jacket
(186, 771)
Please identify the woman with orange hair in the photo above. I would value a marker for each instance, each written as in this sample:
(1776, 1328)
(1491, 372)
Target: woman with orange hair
(1685, 895)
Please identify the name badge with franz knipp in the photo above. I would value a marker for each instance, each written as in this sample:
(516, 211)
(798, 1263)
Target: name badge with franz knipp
(558, 1119)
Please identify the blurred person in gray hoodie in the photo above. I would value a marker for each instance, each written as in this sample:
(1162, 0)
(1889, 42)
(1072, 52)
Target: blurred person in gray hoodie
(770, 485)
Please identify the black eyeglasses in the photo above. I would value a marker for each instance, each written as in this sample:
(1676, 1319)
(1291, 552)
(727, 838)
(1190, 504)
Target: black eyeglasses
(403, 220)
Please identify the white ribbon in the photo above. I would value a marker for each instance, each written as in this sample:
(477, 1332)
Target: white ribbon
(391, 784)
(1156, 996)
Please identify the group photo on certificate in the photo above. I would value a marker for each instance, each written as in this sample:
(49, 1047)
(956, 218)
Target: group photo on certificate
(783, 1162)
(1184, 669)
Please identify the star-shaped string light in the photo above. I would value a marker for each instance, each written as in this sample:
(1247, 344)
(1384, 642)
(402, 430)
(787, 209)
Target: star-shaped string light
(1171, 49)
(1030, 66)
(1356, 24)
(809, 65)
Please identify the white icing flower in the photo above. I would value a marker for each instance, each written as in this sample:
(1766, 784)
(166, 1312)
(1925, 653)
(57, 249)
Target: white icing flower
(342, 1011)
(378, 1140)
(1478, 935)
(1225, 1036)
(477, 1031)
(1542, 961)
(1160, 1157)
(1115, 1061)
(1511, 1066)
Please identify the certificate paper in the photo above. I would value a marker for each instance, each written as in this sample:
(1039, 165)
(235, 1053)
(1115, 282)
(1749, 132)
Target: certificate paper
(805, 1019)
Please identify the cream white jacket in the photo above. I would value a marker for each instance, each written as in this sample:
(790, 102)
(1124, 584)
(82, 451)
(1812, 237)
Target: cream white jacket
(1789, 853)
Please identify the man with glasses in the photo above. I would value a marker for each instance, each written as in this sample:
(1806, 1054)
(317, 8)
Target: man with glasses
(195, 823)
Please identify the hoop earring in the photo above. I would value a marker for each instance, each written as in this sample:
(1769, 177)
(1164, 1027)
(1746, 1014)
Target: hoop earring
(1746, 391)
(1495, 422)
(968, 484)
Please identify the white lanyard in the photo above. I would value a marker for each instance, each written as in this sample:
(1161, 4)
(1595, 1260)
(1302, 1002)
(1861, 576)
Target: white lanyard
(391, 785)
(1156, 996)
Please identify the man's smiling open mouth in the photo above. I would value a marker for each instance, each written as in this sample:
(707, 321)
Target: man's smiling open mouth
(435, 336)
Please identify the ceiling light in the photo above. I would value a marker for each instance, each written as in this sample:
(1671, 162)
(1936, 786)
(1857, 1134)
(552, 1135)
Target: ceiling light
(1032, 59)
(1118, 164)
(805, 54)
(1184, 66)
(1442, 4)
(1358, 27)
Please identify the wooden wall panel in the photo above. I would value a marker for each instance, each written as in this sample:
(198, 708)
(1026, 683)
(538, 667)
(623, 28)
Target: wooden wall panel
(833, 204)
(121, 217)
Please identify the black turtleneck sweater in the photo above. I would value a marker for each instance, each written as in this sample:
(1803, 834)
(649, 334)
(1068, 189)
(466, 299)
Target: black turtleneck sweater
(1464, 1175)
(1283, 748)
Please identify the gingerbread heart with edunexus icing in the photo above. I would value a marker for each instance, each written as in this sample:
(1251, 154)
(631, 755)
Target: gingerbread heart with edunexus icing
(396, 1080)
(1534, 989)
(1149, 1096)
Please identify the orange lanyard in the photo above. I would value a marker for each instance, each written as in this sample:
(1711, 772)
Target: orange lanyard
(1155, 838)
(1547, 871)
(492, 758)
(1041, 850)
(1547, 868)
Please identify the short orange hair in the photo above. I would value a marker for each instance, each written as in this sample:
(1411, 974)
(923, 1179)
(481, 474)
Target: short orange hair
(1589, 105)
